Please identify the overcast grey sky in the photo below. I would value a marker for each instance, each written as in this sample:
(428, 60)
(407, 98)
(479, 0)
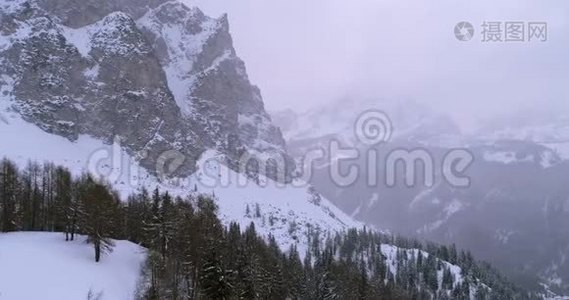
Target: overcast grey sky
(303, 53)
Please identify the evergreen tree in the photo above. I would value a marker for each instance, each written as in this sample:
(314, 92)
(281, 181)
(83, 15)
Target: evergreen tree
(64, 206)
(8, 191)
(99, 206)
(215, 280)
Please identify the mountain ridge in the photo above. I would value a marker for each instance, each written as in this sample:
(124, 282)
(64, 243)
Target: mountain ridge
(161, 77)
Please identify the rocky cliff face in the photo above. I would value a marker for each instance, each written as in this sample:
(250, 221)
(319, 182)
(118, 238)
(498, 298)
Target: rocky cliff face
(156, 74)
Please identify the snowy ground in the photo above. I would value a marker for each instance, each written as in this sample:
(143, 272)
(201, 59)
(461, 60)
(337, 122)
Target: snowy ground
(62, 270)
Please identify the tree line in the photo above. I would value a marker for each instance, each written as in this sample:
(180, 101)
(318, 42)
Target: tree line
(192, 255)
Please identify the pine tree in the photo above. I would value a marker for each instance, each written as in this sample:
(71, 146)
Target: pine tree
(99, 206)
(215, 280)
(138, 215)
(430, 273)
(363, 290)
(8, 189)
(257, 210)
(448, 279)
(64, 208)
(247, 211)
(161, 228)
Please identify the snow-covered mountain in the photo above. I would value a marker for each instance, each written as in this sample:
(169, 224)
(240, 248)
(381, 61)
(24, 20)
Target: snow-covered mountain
(544, 127)
(157, 74)
(539, 125)
(124, 87)
(410, 120)
(516, 186)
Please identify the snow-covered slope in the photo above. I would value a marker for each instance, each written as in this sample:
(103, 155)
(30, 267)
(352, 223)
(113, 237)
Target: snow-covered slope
(62, 270)
(393, 262)
(288, 212)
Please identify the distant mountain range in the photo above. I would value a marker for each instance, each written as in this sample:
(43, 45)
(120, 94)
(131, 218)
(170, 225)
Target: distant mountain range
(515, 212)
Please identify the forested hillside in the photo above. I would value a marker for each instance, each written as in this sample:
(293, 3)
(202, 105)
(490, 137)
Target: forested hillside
(193, 256)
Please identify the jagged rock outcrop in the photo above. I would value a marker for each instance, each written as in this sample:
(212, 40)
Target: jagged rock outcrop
(156, 74)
